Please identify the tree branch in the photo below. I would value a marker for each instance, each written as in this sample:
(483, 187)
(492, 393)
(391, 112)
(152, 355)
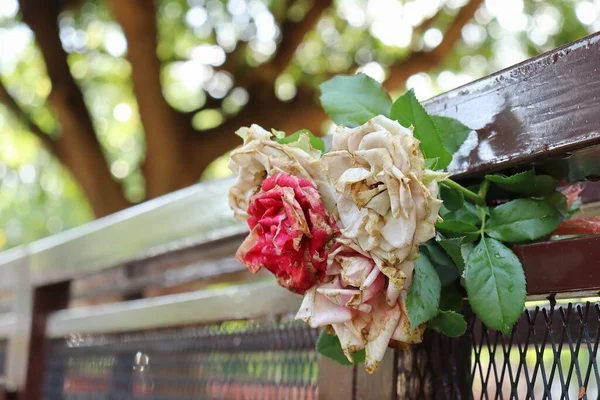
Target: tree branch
(292, 35)
(424, 60)
(80, 150)
(22, 117)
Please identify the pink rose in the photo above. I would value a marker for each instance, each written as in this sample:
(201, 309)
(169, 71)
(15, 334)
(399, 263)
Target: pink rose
(358, 301)
(290, 232)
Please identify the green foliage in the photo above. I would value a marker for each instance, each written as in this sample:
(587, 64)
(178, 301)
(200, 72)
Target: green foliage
(316, 142)
(525, 183)
(443, 264)
(409, 112)
(353, 100)
(452, 131)
(329, 346)
(453, 199)
(453, 246)
(458, 228)
(451, 298)
(495, 284)
(450, 323)
(423, 299)
(522, 220)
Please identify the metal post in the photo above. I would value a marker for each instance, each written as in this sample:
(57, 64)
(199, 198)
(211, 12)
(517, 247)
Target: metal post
(46, 299)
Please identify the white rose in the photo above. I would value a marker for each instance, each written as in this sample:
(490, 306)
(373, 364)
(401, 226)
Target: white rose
(260, 157)
(387, 201)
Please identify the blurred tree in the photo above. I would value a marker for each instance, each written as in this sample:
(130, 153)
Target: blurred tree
(136, 98)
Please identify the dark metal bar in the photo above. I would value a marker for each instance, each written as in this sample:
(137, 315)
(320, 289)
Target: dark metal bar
(561, 266)
(542, 107)
(46, 299)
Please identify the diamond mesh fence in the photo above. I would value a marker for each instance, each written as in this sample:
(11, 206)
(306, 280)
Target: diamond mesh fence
(232, 360)
(552, 353)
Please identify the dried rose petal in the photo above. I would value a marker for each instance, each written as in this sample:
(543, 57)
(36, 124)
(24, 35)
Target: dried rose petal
(290, 232)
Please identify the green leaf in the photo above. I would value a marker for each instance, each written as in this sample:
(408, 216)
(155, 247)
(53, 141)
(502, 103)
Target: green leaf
(316, 142)
(453, 199)
(544, 185)
(513, 182)
(495, 284)
(329, 346)
(443, 264)
(468, 213)
(452, 247)
(452, 131)
(432, 163)
(526, 183)
(353, 100)
(451, 298)
(449, 323)
(423, 298)
(466, 249)
(454, 228)
(408, 111)
(522, 220)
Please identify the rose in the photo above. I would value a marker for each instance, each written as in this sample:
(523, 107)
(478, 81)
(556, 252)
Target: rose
(291, 232)
(387, 200)
(260, 157)
(360, 304)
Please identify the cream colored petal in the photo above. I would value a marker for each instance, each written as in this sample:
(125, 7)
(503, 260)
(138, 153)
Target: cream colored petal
(399, 232)
(350, 342)
(335, 163)
(392, 126)
(355, 269)
(385, 320)
(351, 218)
(403, 332)
(380, 203)
(357, 135)
(317, 310)
(392, 146)
(340, 138)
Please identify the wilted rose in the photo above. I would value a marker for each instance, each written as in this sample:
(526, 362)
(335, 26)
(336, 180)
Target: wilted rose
(360, 304)
(260, 157)
(291, 232)
(387, 200)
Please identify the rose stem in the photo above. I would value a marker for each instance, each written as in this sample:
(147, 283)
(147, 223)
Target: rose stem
(483, 189)
(470, 195)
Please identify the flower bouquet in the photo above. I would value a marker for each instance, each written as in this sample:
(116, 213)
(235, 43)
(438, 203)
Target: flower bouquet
(374, 235)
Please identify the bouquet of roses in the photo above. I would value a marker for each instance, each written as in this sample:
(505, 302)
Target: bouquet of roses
(375, 236)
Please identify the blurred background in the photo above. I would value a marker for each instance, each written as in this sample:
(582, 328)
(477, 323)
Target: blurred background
(107, 103)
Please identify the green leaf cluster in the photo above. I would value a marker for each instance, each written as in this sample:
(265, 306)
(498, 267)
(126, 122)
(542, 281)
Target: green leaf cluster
(475, 238)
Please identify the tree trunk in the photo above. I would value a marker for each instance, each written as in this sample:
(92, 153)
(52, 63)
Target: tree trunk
(78, 146)
(169, 164)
